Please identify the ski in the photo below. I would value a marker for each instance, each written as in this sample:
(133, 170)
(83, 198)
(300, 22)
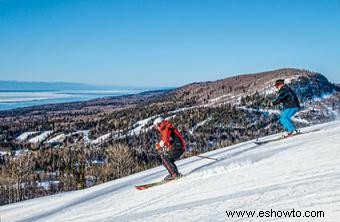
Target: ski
(149, 185)
(269, 141)
(259, 142)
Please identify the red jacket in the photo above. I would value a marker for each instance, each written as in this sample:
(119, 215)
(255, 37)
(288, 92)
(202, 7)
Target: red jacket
(169, 134)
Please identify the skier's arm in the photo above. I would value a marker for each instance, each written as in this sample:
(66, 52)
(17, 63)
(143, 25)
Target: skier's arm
(165, 139)
(280, 98)
(166, 136)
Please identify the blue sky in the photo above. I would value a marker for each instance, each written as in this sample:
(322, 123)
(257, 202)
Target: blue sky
(163, 42)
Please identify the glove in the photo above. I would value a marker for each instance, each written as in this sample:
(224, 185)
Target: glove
(160, 146)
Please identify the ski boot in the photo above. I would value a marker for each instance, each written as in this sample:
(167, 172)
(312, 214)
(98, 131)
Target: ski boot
(172, 176)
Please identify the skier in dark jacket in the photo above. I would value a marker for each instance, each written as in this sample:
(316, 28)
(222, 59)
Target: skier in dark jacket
(291, 105)
(171, 147)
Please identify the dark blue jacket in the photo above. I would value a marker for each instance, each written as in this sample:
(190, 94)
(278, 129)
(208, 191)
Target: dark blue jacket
(287, 97)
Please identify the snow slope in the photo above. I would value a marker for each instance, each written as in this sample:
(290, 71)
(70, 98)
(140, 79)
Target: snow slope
(300, 173)
(25, 135)
(41, 137)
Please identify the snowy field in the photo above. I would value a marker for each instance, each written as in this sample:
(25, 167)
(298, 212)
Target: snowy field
(301, 173)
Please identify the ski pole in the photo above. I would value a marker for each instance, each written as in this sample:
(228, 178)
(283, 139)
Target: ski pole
(206, 157)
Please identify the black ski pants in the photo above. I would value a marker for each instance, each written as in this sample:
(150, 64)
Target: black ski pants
(169, 158)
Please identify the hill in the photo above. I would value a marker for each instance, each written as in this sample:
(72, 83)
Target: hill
(77, 145)
(299, 174)
(233, 88)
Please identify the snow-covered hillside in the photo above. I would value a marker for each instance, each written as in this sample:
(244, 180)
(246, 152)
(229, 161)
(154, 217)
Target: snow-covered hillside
(300, 173)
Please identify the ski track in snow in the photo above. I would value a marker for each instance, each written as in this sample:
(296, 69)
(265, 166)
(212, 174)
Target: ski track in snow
(301, 173)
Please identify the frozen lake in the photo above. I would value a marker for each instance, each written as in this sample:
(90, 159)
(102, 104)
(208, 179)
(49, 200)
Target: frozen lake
(25, 98)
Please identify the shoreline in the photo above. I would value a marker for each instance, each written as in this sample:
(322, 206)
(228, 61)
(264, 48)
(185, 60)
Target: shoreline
(114, 101)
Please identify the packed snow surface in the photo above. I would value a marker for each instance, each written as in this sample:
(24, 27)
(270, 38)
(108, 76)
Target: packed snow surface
(300, 173)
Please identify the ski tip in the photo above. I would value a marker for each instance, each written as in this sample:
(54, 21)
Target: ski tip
(140, 188)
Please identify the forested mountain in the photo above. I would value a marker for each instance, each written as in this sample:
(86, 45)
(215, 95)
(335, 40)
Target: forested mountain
(71, 146)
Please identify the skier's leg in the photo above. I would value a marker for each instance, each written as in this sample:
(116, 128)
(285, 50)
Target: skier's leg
(175, 155)
(284, 120)
(290, 113)
(168, 164)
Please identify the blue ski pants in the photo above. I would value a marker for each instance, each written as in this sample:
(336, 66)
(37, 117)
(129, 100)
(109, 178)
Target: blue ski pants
(286, 116)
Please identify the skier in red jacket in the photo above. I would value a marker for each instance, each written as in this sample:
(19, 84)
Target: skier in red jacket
(171, 147)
